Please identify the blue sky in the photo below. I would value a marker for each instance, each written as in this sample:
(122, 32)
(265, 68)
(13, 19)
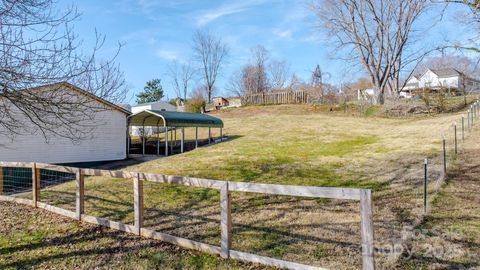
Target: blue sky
(155, 33)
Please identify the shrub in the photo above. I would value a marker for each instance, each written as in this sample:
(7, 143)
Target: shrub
(195, 105)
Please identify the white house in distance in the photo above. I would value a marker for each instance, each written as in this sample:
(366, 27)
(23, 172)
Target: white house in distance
(449, 78)
(152, 106)
(368, 94)
(106, 140)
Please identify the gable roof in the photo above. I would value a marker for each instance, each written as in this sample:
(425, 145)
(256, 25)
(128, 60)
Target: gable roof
(152, 103)
(446, 72)
(81, 91)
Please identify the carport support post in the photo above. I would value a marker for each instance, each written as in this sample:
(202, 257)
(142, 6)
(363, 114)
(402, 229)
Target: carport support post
(183, 140)
(138, 203)
(80, 194)
(171, 141)
(158, 139)
(196, 137)
(35, 184)
(143, 139)
(366, 229)
(209, 135)
(166, 141)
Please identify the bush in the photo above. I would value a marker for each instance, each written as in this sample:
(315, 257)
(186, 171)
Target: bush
(195, 105)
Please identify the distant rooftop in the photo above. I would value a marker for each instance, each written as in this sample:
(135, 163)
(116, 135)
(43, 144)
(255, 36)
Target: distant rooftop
(446, 72)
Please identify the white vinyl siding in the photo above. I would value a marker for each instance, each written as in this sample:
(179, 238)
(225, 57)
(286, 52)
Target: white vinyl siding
(106, 142)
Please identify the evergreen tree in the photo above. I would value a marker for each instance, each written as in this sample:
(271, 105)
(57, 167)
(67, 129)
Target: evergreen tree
(152, 92)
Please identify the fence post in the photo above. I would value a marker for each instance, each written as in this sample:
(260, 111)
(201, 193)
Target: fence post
(1, 180)
(35, 184)
(425, 182)
(456, 144)
(463, 128)
(138, 203)
(80, 194)
(226, 221)
(368, 261)
(444, 156)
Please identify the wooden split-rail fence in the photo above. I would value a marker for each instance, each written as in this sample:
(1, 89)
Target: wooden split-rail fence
(271, 98)
(225, 187)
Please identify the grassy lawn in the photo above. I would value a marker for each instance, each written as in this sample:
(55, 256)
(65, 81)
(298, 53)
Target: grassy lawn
(295, 145)
(36, 239)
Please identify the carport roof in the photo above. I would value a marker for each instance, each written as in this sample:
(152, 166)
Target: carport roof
(173, 119)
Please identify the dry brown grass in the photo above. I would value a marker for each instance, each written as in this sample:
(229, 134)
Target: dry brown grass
(291, 144)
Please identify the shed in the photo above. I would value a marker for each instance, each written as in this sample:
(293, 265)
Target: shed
(106, 141)
(171, 122)
(220, 102)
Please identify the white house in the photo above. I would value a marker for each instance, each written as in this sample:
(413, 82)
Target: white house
(448, 78)
(158, 106)
(155, 106)
(368, 94)
(105, 141)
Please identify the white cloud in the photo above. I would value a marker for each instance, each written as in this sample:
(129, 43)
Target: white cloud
(166, 54)
(286, 34)
(226, 9)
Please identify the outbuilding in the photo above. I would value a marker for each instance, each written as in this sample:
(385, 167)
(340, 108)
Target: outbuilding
(106, 139)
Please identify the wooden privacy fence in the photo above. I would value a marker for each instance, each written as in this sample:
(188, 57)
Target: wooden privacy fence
(225, 187)
(284, 97)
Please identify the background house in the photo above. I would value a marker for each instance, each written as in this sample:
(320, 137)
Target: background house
(434, 79)
(105, 142)
(368, 94)
(152, 106)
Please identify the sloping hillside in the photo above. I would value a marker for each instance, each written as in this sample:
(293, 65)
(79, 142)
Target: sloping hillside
(288, 145)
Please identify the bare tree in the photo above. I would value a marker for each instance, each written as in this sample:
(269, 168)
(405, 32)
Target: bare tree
(378, 33)
(258, 72)
(210, 51)
(279, 72)
(38, 47)
(181, 76)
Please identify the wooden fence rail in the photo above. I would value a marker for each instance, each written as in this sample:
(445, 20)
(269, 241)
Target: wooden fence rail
(225, 187)
(284, 97)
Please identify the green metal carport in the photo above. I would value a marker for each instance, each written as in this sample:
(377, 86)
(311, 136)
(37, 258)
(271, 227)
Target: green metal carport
(172, 121)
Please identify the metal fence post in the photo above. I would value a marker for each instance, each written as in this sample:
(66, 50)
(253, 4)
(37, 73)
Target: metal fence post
(455, 131)
(463, 128)
(425, 182)
(444, 156)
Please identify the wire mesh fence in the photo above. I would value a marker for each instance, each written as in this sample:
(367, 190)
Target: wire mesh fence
(187, 212)
(114, 204)
(57, 188)
(16, 182)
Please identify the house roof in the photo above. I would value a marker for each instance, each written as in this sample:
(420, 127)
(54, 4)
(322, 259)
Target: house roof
(446, 72)
(173, 119)
(70, 86)
(152, 103)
